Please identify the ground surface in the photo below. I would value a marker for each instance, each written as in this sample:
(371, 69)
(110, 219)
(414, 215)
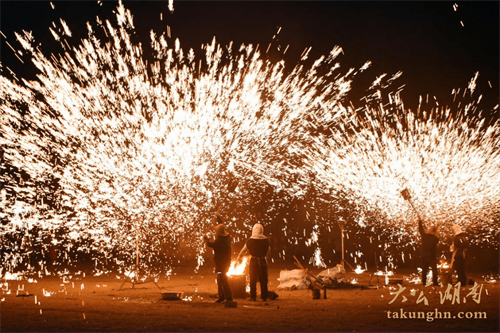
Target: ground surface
(96, 304)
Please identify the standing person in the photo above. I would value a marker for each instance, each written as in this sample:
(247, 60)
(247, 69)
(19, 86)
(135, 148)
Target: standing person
(429, 244)
(459, 246)
(222, 257)
(259, 247)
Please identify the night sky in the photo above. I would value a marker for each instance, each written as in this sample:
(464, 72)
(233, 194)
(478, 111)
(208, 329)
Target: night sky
(424, 40)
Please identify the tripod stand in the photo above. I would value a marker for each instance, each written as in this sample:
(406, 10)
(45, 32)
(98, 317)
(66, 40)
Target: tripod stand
(343, 261)
(135, 279)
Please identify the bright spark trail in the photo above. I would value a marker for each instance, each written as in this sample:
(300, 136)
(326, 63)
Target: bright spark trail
(449, 162)
(107, 151)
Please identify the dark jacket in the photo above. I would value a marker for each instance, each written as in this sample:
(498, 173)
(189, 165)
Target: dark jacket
(258, 247)
(222, 252)
(460, 242)
(429, 243)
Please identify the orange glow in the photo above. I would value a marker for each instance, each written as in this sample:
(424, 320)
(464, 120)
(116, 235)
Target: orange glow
(444, 265)
(358, 270)
(238, 269)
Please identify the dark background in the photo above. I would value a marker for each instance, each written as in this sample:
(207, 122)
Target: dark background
(424, 40)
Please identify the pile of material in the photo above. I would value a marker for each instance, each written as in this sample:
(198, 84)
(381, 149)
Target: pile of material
(332, 277)
(293, 280)
(303, 279)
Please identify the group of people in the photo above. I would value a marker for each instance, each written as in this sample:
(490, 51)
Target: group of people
(458, 248)
(257, 245)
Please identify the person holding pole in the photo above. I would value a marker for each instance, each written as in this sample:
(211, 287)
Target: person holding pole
(222, 257)
(429, 244)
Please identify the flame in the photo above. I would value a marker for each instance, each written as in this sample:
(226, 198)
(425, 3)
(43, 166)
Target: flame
(130, 274)
(237, 269)
(444, 265)
(386, 273)
(12, 276)
(359, 270)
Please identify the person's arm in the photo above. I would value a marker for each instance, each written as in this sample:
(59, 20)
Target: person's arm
(243, 250)
(268, 255)
(209, 242)
(421, 227)
(218, 217)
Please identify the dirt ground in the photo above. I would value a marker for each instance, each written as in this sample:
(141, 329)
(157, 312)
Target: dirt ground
(95, 303)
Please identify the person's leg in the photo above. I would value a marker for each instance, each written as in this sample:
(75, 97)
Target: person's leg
(253, 272)
(434, 272)
(425, 270)
(220, 289)
(226, 288)
(461, 271)
(263, 278)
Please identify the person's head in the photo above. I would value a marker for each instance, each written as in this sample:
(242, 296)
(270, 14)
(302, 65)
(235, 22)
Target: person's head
(257, 230)
(220, 230)
(456, 229)
(433, 230)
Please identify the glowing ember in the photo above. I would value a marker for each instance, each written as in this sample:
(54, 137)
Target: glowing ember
(359, 270)
(382, 273)
(443, 265)
(12, 276)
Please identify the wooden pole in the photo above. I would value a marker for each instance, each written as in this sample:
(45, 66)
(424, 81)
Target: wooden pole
(342, 242)
(411, 203)
(136, 280)
(406, 195)
(342, 232)
(136, 252)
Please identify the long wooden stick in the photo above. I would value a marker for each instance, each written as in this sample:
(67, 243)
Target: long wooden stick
(297, 262)
(343, 261)
(411, 203)
(406, 195)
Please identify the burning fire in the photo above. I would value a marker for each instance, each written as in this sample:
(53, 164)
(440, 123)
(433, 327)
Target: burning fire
(386, 273)
(359, 270)
(444, 265)
(238, 269)
(12, 276)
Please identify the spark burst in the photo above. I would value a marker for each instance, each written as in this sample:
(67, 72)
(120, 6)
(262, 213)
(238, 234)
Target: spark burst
(449, 160)
(106, 151)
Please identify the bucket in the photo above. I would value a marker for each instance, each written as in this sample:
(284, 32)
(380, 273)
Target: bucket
(395, 281)
(238, 285)
(171, 295)
(316, 293)
(445, 277)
